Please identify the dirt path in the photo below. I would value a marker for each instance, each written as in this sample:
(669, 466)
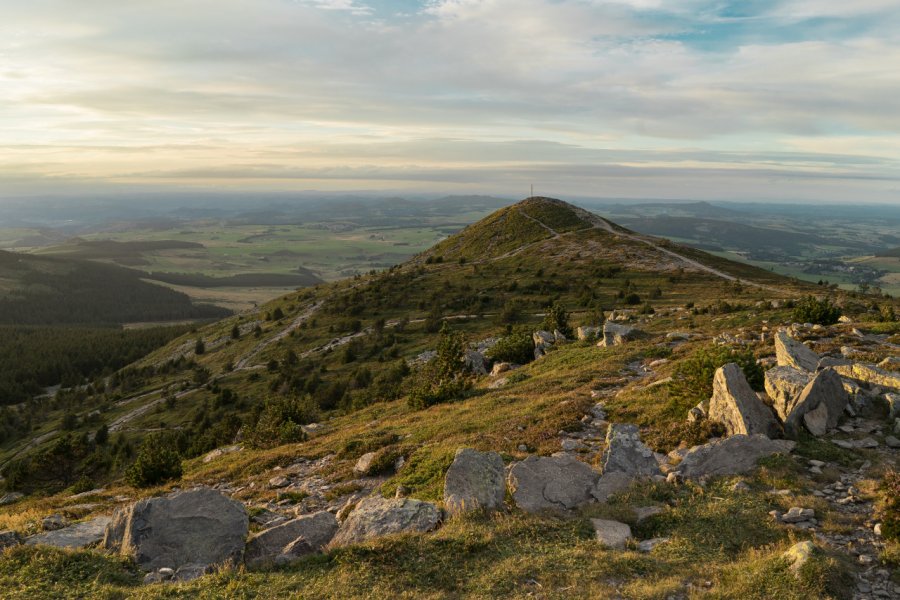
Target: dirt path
(117, 424)
(244, 362)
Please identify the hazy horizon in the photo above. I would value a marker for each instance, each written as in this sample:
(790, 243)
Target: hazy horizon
(776, 101)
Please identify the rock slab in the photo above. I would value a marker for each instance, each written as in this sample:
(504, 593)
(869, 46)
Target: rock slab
(476, 481)
(626, 453)
(199, 527)
(793, 353)
(825, 394)
(730, 456)
(79, 535)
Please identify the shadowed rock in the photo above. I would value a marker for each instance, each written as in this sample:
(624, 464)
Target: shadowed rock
(315, 531)
(735, 404)
(626, 453)
(196, 527)
(476, 481)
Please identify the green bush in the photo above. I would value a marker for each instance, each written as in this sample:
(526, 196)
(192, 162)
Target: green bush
(693, 378)
(280, 422)
(445, 377)
(819, 312)
(557, 318)
(157, 461)
(514, 348)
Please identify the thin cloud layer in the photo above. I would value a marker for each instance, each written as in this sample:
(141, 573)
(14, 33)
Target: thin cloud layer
(788, 99)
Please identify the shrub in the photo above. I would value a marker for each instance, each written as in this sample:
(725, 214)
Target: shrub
(280, 422)
(632, 299)
(557, 318)
(693, 380)
(199, 347)
(889, 506)
(514, 348)
(445, 377)
(157, 461)
(811, 310)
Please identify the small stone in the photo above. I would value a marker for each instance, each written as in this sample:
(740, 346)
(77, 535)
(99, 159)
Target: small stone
(522, 448)
(892, 442)
(649, 545)
(279, 482)
(866, 559)
(816, 463)
(799, 554)
(572, 445)
(877, 529)
(364, 463)
(740, 486)
(612, 534)
(53, 522)
(866, 443)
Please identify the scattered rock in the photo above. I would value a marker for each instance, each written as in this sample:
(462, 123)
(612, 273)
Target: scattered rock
(214, 454)
(796, 515)
(735, 404)
(730, 456)
(10, 498)
(79, 535)
(502, 367)
(552, 483)
(892, 442)
(53, 522)
(315, 531)
(649, 545)
(195, 527)
(476, 481)
(364, 463)
(792, 353)
(375, 517)
(626, 453)
(611, 534)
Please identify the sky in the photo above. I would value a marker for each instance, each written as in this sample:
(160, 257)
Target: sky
(788, 100)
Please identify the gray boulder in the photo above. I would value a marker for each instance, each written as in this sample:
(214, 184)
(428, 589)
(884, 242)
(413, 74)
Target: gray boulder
(825, 390)
(476, 362)
(79, 535)
(610, 484)
(615, 334)
(626, 453)
(784, 386)
(554, 483)
(611, 534)
(793, 353)
(730, 456)
(310, 532)
(375, 517)
(735, 404)
(364, 463)
(476, 481)
(195, 527)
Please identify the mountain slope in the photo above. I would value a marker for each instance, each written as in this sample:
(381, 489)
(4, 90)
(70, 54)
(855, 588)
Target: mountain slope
(332, 354)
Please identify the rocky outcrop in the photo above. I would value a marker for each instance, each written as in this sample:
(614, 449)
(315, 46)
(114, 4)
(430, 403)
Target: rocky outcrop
(551, 483)
(625, 453)
(793, 353)
(730, 456)
(870, 374)
(615, 334)
(736, 405)
(291, 540)
(196, 528)
(476, 481)
(376, 517)
(784, 386)
(825, 398)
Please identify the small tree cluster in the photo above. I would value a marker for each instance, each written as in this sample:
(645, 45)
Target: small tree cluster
(809, 309)
(557, 318)
(158, 461)
(444, 378)
(518, 347)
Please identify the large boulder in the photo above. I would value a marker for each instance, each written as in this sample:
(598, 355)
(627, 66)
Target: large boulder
(476, 481)
(784, 386)
(793, 353)
(79, 535)
(626, 453)
(735, 404)
(199, 527)
(375, 517)
(615, 334)
(826, 396)
(730, 456)
(312, 531)
(551, 483)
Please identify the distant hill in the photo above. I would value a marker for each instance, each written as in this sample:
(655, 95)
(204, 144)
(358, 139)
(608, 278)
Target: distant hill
(43, 290)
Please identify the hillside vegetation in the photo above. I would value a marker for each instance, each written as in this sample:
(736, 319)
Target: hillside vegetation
(276, 408)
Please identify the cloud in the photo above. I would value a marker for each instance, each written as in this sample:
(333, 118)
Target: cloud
(438, 86)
